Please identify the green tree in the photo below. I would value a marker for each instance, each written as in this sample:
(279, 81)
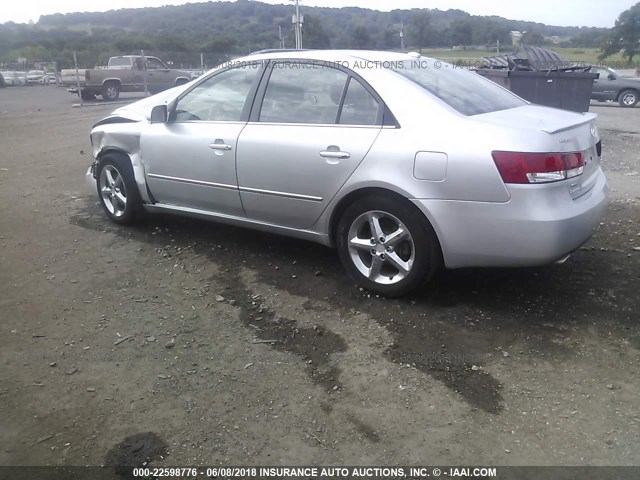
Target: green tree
(313, 34)
(419, 29)
(461, 32)
(533, 38)
(220, 44)
(132, 44)
(360, 37)
(624, 36)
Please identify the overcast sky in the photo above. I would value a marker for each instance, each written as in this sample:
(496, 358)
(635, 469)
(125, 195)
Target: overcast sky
(592, 13)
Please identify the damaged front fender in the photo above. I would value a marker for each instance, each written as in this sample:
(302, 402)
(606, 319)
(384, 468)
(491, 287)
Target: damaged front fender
(110, 137)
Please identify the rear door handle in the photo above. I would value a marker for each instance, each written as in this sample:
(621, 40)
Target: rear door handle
(335, 154)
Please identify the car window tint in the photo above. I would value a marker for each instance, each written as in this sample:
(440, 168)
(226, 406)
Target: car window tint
(467, 92)
(360, 107)
(303, 92)
(219, 98)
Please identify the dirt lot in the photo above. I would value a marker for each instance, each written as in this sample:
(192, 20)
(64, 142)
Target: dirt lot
(150, 342)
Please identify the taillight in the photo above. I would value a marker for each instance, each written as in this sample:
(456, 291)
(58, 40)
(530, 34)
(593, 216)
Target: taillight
(519, 167)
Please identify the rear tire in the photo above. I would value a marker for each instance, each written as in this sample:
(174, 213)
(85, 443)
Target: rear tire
(387, 245)
(628, 98)
(111, 91)
(117, 189)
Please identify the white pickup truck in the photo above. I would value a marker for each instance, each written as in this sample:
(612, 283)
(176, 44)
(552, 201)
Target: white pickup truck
(127, 73)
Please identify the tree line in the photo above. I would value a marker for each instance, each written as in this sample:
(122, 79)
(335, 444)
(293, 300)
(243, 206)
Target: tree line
(226, 29)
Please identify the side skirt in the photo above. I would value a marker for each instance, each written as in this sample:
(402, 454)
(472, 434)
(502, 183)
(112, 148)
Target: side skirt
(310, 235)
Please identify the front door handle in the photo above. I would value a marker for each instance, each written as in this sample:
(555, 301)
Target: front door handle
(335, 154)
(219, 146)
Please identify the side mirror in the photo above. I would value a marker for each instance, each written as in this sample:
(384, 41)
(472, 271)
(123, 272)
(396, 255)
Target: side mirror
(159, 114)
(611, 76)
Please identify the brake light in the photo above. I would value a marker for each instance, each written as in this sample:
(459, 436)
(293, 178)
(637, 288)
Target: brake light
(520, 167)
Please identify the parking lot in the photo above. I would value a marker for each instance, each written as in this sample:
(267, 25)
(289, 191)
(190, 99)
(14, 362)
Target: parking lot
(183, 342)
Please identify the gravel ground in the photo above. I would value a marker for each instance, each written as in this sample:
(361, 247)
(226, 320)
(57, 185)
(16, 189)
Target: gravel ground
(183, 342)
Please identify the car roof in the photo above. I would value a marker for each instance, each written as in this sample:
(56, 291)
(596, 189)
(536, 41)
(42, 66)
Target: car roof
(334, 55)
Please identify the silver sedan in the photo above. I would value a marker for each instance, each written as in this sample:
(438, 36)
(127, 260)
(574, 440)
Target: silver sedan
(403, 163)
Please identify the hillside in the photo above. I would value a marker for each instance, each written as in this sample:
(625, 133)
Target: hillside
(222, 29)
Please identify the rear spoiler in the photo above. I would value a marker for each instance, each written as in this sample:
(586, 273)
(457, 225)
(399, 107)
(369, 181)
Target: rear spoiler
(562, 126)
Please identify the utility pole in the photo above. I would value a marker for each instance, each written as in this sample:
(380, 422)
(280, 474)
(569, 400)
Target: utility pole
(498, 47)
(297, 21)
(402, 36)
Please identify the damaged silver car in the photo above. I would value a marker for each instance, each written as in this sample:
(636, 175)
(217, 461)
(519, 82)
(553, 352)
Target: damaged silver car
(403, 163)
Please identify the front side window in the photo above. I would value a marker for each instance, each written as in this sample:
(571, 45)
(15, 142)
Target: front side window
(155, 64)
(220, 98)
(303, 92)
(602, 74)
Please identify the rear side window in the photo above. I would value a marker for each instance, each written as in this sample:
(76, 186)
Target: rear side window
(120, 62)
(465, 91)
(360, 107)
(303, 92)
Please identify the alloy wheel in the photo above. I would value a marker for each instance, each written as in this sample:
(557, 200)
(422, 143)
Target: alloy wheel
(113, 191)
(629, 99)
(381, 247)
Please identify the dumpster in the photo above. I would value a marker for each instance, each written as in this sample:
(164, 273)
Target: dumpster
(560, 89)
(542, 76)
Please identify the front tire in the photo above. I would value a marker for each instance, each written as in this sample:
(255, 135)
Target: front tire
(117, 189)
(387, 245)
(628, 98)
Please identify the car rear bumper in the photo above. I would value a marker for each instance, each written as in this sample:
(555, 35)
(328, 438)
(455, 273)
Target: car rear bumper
(534, 227)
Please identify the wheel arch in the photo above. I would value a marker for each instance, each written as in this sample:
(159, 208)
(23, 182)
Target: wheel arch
(138, 170)
(112, 150)
(181, 81)
(354, 195)
(634, 89)
(112, 80)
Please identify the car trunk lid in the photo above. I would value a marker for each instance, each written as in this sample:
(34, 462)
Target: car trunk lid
(557, 131)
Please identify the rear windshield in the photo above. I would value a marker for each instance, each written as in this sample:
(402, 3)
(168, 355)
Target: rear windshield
(119, 62)
(467, 92)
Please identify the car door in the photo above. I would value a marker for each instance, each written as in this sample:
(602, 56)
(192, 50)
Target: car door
(159, 77)
(190, 160)
(603, 86)
(597, 92)
(311, 126)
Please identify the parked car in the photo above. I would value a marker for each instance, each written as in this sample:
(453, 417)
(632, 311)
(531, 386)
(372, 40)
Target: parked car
(12, 78)
(128, 73)
(21, 78)
(610, 86)
(402, 163)
(37, 77)
(52, 78)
